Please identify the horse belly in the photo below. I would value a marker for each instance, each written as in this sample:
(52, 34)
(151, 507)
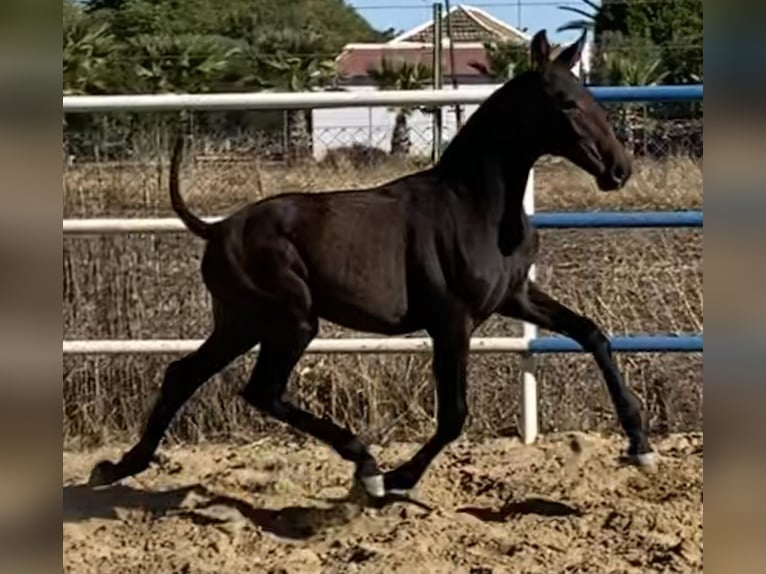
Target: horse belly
(359, 279)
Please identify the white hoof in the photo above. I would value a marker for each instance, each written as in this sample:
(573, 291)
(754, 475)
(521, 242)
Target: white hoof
(400, 492)
(647, 461)
(373, 485)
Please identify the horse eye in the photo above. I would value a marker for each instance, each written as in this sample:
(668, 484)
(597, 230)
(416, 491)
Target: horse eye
(569, 105)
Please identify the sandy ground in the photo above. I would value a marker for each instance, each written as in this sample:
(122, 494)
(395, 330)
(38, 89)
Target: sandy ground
(496, 506)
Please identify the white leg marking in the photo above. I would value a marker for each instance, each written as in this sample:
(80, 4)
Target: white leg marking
(400, 492)
(648, 461)
(374, 485)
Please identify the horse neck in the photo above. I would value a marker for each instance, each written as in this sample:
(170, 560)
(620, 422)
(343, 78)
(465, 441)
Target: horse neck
(488, 173)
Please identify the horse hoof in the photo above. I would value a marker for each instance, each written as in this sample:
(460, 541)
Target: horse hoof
(373, 485)
(103, 474)
(366, 492)
(647, 461)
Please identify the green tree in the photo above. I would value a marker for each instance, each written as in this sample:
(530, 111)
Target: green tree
(401, 76)
(87, 54)
(130, 18)
(87, 50)
(600, 20)
(292, 61)
(630, 63)
(675, 27)
(504, 60)
(202, 46)
(596, 18)
(181, 63)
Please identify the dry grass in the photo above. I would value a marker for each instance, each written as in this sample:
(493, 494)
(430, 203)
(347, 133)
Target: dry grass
(149, 287)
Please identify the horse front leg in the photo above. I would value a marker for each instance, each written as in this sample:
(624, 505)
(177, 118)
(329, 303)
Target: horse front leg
(450, 363)
(531, 304)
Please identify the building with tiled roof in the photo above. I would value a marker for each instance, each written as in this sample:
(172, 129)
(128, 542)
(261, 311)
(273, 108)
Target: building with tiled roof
(470, 28)
(468, 24)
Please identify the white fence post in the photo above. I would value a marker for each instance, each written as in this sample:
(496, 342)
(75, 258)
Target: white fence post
(529, 382)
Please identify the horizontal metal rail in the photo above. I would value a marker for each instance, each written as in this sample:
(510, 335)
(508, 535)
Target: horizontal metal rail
(617, 219)
(687, 343)
(315, 100)
(564, 220)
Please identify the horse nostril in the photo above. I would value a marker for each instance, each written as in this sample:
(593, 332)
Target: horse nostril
(620, 172)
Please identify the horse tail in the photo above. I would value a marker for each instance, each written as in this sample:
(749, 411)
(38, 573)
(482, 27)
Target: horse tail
(193, 223)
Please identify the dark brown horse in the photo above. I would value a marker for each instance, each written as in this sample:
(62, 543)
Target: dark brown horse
(440, 250)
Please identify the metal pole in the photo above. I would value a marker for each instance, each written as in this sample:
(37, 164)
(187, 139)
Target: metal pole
(529, 381)
(437, 74)
(541, 220)
(453, 76)
(631, 343)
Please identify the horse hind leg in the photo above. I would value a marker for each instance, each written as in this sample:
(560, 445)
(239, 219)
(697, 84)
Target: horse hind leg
(279, 353)
(182, 379)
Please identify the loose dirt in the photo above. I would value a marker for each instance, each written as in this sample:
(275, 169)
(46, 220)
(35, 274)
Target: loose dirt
(564, 505)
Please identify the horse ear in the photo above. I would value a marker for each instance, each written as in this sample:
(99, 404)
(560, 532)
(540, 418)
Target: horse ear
(571, 55)
(540, 50)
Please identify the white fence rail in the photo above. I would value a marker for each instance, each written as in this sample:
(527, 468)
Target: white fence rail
(118, 226)
(324, 346)
(271, 100)
(306, 100)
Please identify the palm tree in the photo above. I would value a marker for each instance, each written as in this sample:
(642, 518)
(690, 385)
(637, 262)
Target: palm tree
(587, 20)
(293, 61)
(621, 69)
(172, 63)
(401, 76)
(186, 62)
(87, 50)
(504, 59)
(600, 19)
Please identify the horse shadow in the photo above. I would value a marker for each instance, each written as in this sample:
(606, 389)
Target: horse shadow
(82, 502)
(533, 505)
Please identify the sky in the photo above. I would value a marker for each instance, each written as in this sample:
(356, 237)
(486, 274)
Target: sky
(535, 14)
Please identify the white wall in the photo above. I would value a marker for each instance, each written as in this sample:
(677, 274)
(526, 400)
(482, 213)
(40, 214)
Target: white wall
(336, 127)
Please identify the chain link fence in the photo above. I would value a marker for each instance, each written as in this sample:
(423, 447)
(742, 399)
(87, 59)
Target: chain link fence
(102, 141)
